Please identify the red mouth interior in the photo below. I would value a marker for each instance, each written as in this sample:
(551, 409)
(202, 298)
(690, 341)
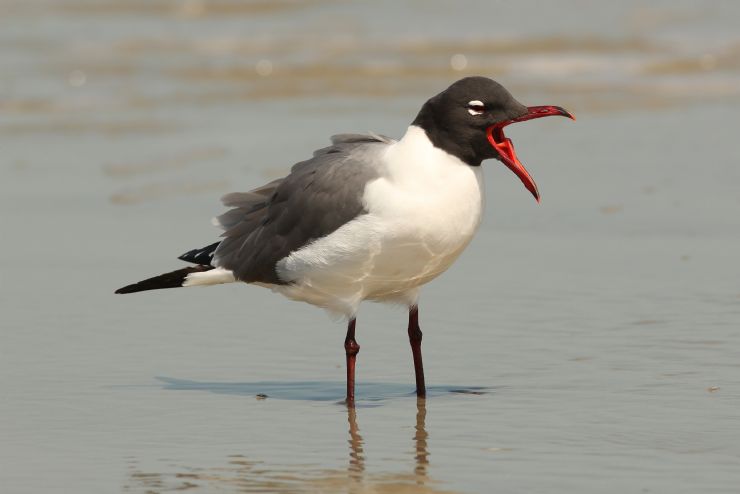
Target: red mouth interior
(505, 149)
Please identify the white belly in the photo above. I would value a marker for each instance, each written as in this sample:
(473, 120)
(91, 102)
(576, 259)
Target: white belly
(422, 213)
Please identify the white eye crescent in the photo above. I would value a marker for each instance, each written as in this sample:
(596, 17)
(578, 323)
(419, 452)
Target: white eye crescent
(476, 107)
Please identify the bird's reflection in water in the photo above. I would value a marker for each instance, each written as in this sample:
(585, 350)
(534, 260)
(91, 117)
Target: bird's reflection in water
(356, 454)
(420, 441)
(356, 466)
(243, 475)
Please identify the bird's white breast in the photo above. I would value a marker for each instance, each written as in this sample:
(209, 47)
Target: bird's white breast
(422, 212)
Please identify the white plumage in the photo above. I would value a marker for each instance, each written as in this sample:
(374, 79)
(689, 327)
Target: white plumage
(422, 212)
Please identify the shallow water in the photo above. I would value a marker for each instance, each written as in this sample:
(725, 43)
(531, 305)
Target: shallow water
(588, 344)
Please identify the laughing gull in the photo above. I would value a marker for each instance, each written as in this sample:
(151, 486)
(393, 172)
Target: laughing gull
(368, 217)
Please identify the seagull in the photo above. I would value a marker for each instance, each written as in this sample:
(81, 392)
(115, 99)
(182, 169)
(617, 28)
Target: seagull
(368, 217)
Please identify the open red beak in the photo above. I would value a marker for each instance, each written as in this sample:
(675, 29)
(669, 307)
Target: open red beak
(505, 148)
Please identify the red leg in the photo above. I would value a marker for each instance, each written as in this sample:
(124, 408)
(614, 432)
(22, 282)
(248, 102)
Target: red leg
(351, 348)
(415, 340)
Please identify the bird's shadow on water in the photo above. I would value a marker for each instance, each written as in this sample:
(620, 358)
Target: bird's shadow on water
(315, 390)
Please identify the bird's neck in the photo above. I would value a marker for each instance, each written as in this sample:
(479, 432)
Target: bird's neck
(442, 137)
(414, 158)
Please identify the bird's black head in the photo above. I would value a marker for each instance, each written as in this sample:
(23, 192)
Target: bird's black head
(467, 119)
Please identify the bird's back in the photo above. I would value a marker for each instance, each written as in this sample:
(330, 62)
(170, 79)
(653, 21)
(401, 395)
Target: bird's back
(422, 211)
(318, 196)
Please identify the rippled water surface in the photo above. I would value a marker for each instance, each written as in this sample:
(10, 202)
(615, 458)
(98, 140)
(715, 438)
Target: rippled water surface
(587, 344)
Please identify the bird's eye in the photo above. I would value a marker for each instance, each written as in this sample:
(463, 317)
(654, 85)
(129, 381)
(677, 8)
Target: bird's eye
(476, 107)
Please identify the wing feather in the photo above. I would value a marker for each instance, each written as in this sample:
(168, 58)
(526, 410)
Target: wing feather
(317, 197)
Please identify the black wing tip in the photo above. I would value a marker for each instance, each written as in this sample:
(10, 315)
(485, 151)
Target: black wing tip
(188, 255)
(202, 256)
(143, 286)
(129, 289)
(173, 279)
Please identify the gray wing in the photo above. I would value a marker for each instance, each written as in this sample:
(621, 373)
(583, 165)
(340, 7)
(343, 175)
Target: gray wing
(317, 197)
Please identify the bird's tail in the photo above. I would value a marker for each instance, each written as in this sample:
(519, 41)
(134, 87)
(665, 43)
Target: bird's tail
(173, 279)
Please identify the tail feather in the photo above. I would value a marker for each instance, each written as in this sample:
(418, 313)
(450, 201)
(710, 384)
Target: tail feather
(173, 279)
